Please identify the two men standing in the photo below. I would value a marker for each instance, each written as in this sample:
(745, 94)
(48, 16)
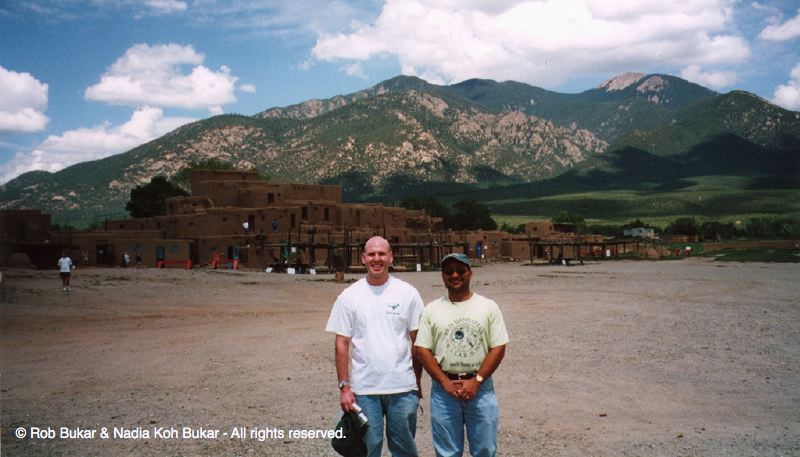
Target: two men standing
(461, 342)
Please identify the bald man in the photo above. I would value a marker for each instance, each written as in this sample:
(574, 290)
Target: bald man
(375, 321)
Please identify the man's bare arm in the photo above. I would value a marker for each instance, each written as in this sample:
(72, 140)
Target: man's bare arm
(347, 398)
(487, 368)
(416, 363)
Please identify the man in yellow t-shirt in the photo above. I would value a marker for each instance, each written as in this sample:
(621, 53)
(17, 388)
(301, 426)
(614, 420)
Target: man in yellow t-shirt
(461, 341)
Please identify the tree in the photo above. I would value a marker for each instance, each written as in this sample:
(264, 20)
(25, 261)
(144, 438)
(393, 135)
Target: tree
(565, 217)
(471, 215)
(683, 226)
(715, 231)
(636, 224)
(427, 203)
(148, 199)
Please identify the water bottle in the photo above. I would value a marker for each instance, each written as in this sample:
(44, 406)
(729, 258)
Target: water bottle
(362, 418)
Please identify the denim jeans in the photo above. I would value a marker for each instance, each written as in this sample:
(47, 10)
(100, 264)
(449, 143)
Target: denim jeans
(400, 411)
(450, 416)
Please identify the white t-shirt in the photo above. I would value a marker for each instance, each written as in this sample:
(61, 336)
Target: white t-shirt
(378, 319)
(65, 264)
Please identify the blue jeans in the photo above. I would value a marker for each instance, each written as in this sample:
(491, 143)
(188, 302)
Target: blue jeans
(401, 422)
(450, 416)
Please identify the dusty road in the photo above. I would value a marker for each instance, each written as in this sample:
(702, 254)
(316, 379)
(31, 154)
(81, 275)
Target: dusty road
(624, 358)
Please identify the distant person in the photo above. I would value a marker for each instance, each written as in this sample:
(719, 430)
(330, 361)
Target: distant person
(375, 321)
(461, 341)
(65, 267)
(138, 260)
(126, 260)
(85, 258)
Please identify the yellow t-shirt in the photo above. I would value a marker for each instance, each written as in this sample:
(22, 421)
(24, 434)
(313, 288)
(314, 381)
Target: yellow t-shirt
(460, 334)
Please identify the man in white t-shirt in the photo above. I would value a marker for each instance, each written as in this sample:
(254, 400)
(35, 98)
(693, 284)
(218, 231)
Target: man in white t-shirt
(375, 321)
(461, 341)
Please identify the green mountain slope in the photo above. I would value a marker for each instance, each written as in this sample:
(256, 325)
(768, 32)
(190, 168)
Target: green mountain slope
(505, 142)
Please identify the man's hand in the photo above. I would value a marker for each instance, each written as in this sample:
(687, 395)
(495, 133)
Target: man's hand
(453, 388)
(346, 399)
(469, 389)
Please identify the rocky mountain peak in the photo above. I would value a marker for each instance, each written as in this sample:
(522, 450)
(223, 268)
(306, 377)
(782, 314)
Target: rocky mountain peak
(621, 82)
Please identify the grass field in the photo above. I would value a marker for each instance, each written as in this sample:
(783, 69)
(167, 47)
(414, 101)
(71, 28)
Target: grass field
(758, 255)
(706, 198)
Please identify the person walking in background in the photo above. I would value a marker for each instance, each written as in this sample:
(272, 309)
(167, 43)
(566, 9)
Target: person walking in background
(461, 341)
(65, 267)
(375, 321)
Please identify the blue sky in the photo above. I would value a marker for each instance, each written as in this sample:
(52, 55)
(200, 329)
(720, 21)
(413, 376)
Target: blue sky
(82, 80)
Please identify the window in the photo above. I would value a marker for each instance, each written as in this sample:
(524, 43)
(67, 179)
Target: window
(270, 198)
(304, 215)
(327, 214)
(292, 221)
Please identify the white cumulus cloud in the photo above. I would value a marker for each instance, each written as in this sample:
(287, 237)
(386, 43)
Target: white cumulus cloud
(248, 88)
(154, 76)
(788, 95)
(543, 42)
(782, 32)
(23, 100)
(167, 6)
(714, 80)
(84, 144)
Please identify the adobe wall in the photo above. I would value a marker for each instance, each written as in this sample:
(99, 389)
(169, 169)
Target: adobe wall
(187, 205)
(107, 249)
(228, 221)
(199, 176)
(539, 228)
(138, 224)
(24, 225)
(257, 194)
(484, 244)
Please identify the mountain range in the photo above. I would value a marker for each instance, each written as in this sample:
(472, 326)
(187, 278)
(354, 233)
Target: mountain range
(405, 136)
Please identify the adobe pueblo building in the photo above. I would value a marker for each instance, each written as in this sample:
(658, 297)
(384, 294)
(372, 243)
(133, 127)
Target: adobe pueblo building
(235, 219)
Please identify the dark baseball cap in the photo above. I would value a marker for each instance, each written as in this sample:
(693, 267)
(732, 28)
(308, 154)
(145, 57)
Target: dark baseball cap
(457, 256)
(351, 443)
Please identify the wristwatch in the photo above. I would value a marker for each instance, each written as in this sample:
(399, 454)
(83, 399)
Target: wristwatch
(342, 384)
(479, 378)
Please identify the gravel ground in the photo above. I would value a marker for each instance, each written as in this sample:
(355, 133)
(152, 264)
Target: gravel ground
(621, 358)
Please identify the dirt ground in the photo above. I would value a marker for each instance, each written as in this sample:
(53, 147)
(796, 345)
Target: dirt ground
(621, 358)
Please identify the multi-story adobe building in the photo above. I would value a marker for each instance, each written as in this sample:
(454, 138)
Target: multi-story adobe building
(234, 218)
(285, 223)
